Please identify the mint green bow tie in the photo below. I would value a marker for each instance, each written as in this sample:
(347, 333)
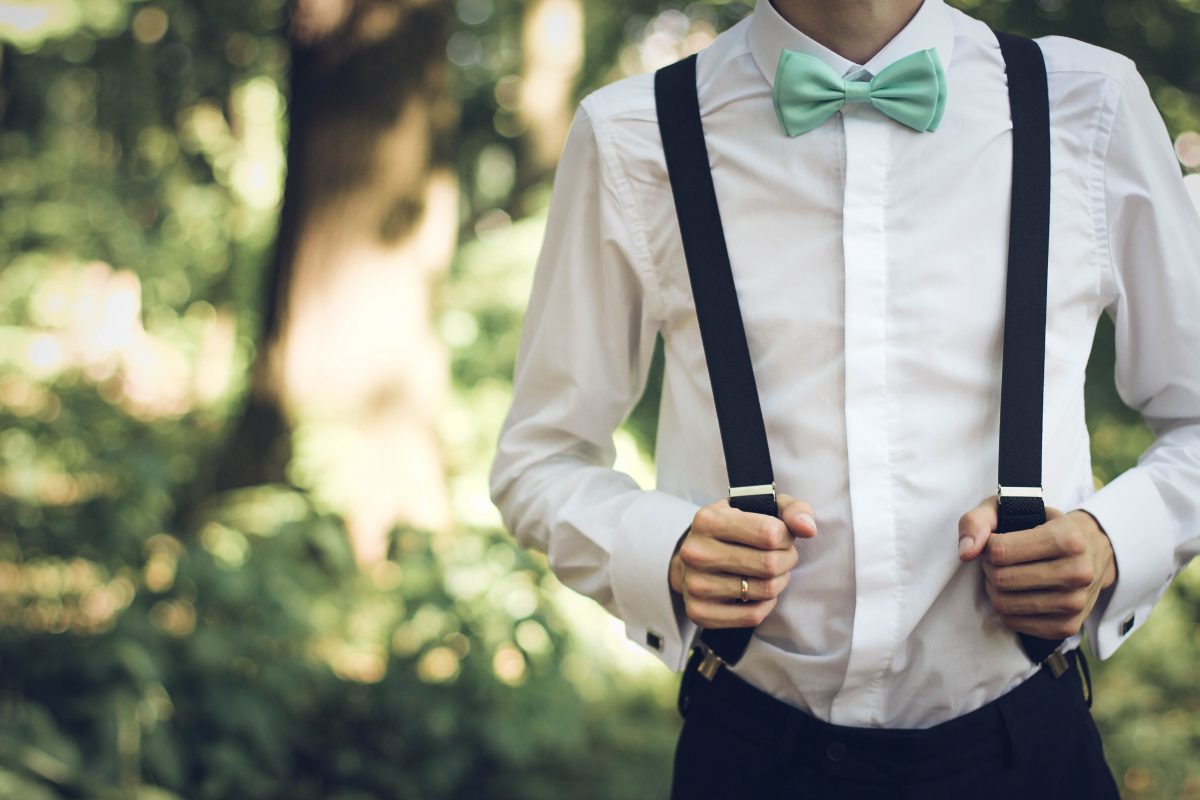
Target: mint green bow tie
(911, 91)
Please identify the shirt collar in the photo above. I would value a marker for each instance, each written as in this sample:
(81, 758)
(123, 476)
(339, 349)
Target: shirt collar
(770, 34)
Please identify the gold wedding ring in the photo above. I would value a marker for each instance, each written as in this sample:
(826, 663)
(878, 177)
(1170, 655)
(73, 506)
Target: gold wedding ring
(745, 591)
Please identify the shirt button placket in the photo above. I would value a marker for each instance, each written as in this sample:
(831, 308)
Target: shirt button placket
(875, 631)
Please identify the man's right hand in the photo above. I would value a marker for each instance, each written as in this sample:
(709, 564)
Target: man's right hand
(724, 545)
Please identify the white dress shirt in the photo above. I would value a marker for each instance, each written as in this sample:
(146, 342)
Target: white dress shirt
(870, 266)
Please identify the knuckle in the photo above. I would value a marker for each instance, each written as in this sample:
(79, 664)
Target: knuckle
(705, 519)
(1000, 577)
(694, 584)
(1072, 542)
(1064, 628)
(1075, 602)
(770, 533)
(762, 610)
(692, 554)
(771, 588)
(791, 558)
(1081, 576)
(701, 613)
(996, 550)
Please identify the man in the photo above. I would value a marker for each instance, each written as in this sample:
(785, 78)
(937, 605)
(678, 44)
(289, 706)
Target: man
(869, 262)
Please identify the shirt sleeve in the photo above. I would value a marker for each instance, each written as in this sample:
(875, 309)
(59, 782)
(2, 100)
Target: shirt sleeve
(1151, 512)
(582, 363)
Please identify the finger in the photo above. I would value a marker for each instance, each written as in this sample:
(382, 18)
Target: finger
(1054, 539)
(1049, 626)
(716, 556)
(727, 524)
(1058, 573)
(1040, 603)
(975, 529)
(724, 586)
(720, 614)
(797, 515)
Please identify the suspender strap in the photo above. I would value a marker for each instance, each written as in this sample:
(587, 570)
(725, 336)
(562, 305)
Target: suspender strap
(1022, 380)
(743, 435)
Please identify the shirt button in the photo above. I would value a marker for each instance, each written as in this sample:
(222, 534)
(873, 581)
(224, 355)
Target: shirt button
(836, 751)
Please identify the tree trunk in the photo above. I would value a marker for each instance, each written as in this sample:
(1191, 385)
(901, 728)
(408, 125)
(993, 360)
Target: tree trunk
(552, 53)
(349, 368)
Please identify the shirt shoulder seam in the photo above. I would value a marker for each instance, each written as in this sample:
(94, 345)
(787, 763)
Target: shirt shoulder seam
(626, 200)
(1106, 116)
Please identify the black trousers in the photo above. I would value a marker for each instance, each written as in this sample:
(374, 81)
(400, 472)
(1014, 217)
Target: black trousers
(1038, 741)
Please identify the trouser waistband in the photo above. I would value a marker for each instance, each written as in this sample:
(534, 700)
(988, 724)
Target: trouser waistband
(995, 730)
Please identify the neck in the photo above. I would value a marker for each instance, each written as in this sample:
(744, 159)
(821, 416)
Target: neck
(854, 29)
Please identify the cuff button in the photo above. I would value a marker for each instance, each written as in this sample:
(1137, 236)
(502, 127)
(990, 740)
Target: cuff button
(1127, 625)
(654, 640)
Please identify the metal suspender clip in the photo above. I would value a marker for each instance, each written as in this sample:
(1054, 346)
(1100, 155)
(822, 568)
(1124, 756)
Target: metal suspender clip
(710, 663)
(1057, 662)
(1018, 491)
(752, 491)
(759, 499)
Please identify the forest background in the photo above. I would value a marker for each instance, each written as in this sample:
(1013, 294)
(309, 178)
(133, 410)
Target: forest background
(264, 270)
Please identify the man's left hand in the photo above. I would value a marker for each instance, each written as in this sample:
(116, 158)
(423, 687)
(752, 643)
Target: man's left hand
(1043, 581)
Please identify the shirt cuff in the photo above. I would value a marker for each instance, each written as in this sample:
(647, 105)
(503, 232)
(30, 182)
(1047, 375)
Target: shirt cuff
(1132, 514)
(641, 558)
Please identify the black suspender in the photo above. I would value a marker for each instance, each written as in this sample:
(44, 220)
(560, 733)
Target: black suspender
(739, 416)
(1023, 374)
(747, 458)
(743, 435)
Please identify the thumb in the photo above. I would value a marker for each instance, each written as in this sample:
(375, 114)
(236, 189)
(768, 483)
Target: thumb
(974, 528)
(797, 515)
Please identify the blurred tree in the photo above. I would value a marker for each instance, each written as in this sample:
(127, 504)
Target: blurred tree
(552, 53)
(368, 224)
(158, 637)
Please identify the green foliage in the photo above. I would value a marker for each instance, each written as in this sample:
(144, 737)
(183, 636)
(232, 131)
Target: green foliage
(153, 649)
(256, 660)
(144, 137)
(1159, 35)
(158, 644)
(1148, 702)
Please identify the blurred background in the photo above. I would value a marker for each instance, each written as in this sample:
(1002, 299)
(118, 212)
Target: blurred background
(264, 268)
